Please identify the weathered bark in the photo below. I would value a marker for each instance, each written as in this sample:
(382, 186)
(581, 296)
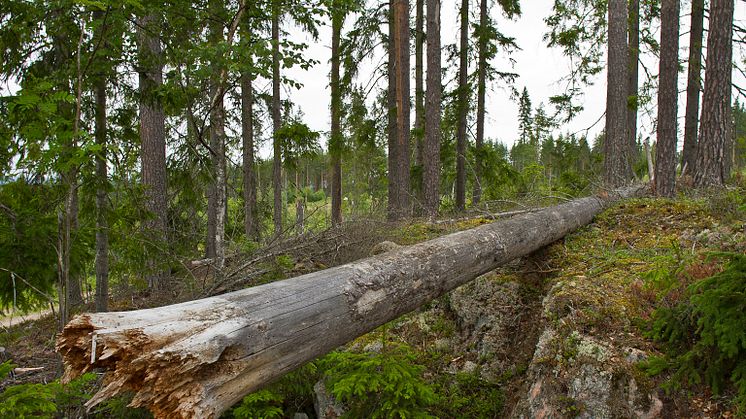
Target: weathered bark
(251, 213)
(276, 120)
(633, 37)
(693, 86)
(463, 109)
(668, 92)
(217, 198)
(716, 101)
(153, 142)
(335, 140)
(196, 359)
(617, 168)
(102, 181)
(399, 207)
(431, 167)
(481, 88)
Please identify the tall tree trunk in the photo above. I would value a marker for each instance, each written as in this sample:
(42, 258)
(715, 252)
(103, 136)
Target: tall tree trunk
(251, 214)
(463, 109)
(665, 152)
(153, 144)
(716, 102)
(393, 150)
(399, 160)
(419, 100)
(217, 198)
(632, 77)
(276, 120)
(335, 141)
(693, 86)
(431, 172)
(102, 181)
(481, 91)
(617, 168)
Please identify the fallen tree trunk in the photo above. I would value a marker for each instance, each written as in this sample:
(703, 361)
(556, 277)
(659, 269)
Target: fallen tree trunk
(196, 359)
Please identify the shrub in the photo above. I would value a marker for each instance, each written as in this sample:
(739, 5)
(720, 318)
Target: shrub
(383, 385)
(706, 332)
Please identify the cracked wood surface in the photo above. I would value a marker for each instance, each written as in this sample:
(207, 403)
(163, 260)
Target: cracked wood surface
(196, 359)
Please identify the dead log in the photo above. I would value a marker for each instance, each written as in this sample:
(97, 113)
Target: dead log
(198, 358)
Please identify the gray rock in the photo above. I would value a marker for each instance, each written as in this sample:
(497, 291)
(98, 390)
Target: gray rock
(487, 312)
(326, 406)
(300, 416)
(374, 347)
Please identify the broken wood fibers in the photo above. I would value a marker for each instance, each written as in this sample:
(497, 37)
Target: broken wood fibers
(198, 358)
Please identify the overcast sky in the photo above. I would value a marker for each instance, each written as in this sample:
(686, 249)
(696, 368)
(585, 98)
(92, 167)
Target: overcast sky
(539, 69)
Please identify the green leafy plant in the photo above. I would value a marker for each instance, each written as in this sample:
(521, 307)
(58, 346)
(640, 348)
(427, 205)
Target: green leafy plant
(384, 385)
(27, 400)
(263, 404)
(706, 332)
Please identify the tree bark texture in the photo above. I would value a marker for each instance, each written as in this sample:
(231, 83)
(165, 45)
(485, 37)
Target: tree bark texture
(198, 358)
(617, 167)
(431, 163)
(633, 37)
(102, 180)
(716, 101)
(251, 213)
(218, 205)
(463, 109)
(276, 121)
(668, 92)
(335, 145)
(693, 86)
(153, 144)
(392, 151)
(419, 100)
(399, 163)
(481, 91)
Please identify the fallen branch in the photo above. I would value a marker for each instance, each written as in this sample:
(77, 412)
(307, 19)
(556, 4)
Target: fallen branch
(198, 358)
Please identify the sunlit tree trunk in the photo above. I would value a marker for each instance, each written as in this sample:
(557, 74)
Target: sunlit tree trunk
(693, 86)
(153, 143)
(665, 152)
(617, 168)
(335, 144)
(632, 77)
(217, 197)
(431, 172)
(716, 102)
(102, 179)
(399, 188)
(463, 109)
(481, 91)
(419, 100)
(276, 120)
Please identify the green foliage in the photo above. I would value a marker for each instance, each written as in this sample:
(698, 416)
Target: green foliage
(27, 400)
(382, 385)
(263, 404)
(466, 395)
(706, 332)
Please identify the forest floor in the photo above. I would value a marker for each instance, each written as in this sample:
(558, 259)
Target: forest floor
(556, 334)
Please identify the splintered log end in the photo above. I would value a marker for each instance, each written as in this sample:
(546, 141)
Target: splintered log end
(150, 361)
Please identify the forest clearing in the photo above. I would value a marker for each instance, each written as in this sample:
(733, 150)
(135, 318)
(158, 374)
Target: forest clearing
(341, 208)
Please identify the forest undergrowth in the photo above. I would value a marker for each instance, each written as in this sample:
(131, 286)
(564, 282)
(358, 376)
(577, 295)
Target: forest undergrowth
(634, 278)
